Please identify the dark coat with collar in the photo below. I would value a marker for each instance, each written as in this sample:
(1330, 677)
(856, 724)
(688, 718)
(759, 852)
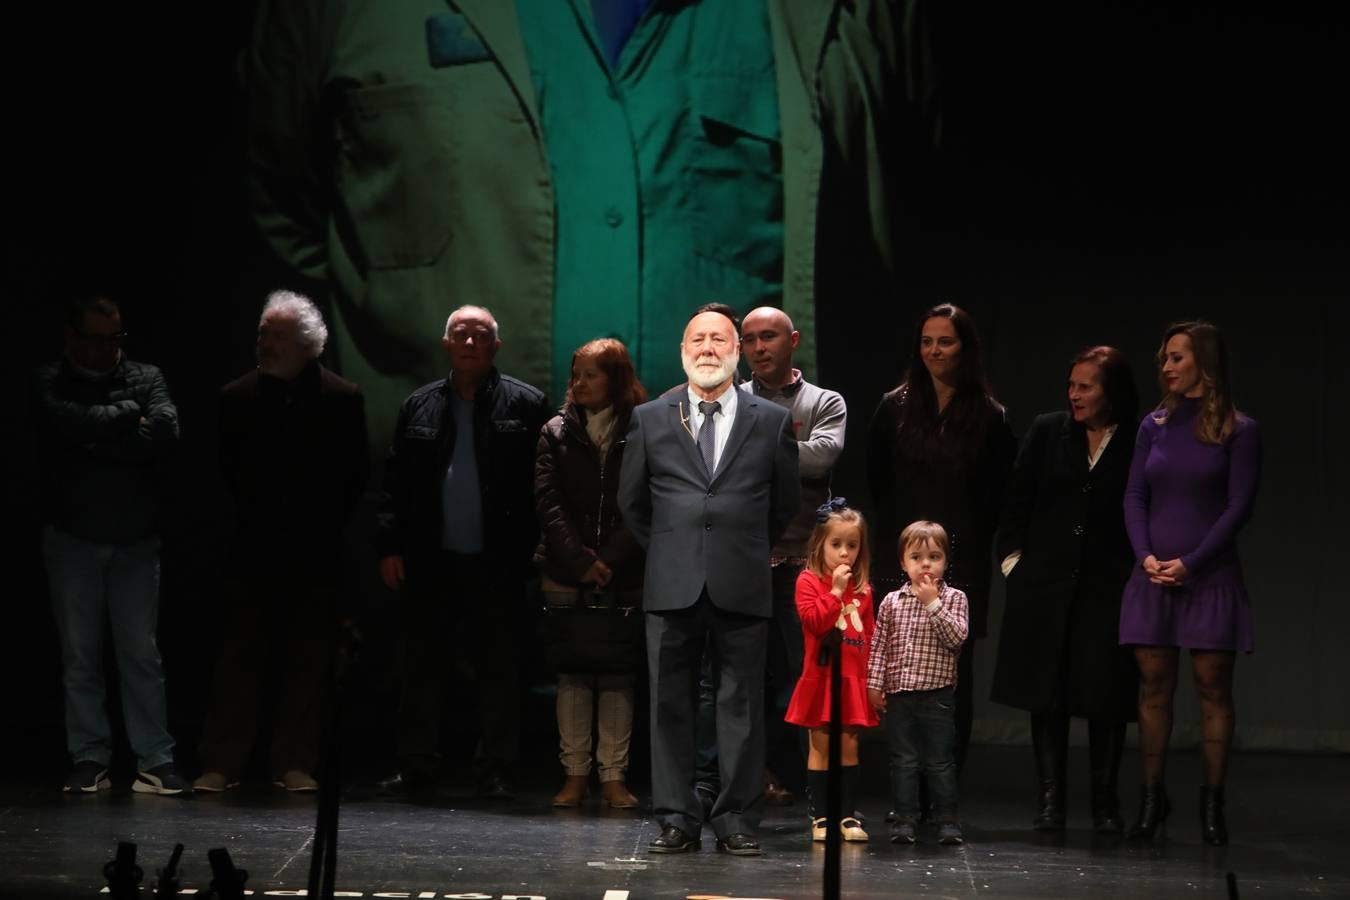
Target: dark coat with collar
(963, 495)
(295, 461)
(1062, 621)
(709, 531)
(576, 489)
(507, 417)
(104, 440)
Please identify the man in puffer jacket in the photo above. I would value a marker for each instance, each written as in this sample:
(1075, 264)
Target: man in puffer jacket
(104, 425)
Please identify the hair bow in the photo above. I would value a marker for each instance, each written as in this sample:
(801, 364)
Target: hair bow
(829, 508)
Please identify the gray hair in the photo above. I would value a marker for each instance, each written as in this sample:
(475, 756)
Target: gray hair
(310, 328)
(475, 306)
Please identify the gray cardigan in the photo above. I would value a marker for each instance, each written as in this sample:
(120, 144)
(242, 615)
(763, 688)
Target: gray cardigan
(818, 419)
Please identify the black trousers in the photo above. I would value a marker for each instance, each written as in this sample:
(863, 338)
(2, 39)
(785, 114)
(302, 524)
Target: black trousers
(735, 647)
(462, 619)
(281, 628)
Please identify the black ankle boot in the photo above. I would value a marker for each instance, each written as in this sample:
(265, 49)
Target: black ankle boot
(1153, 810)
(1051, 817)
(1106, 742)
(1213, 825)
(1049, 742)
(1106, 818)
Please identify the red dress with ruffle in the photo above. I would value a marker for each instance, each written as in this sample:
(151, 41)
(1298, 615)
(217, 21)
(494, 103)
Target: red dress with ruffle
(819, 612)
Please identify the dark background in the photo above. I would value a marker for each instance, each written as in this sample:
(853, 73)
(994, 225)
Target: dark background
(1106, 168)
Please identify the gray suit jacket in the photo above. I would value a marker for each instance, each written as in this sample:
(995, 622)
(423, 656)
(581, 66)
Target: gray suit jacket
(699, 531)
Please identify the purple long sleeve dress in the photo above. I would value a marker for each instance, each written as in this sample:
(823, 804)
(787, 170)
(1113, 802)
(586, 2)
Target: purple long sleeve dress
(1187, 499)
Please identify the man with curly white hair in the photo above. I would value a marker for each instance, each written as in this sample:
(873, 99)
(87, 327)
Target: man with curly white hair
(294, 456)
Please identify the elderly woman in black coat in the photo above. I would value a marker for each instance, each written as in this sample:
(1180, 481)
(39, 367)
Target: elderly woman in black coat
(591, 571)
(1066, 558)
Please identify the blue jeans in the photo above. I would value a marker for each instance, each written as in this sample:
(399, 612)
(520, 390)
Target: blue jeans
(118, 584)
(921, 735)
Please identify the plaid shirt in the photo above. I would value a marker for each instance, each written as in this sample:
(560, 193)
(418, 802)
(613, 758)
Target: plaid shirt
(913, 650)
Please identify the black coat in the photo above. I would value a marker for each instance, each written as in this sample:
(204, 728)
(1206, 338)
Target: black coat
(576, 492)
(1062, 622)
(295, 461)
(507, 416)
(103, 442)
(961, 495)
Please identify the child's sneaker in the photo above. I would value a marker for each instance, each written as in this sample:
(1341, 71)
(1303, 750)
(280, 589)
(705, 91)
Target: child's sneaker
(949, 833)
(818, 828)
(161, 779)
(87, 777)
(904, 832)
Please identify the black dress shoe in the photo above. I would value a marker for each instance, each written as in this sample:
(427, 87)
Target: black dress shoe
(739, 845)
(673, 840)
(405, 784)
(494, 786)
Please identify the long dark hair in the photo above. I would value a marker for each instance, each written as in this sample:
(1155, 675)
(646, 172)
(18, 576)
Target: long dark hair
(923, 432)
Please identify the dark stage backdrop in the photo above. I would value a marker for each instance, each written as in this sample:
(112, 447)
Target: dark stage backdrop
(1106, 169)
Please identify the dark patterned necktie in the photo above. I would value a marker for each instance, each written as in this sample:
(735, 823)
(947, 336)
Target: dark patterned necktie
(707, 432)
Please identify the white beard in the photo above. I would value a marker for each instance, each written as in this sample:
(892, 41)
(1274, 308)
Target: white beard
(706, 378)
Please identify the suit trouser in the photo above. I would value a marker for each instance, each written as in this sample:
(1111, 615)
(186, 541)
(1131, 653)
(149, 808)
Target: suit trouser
(462, 617)
(285, 624)
(676, 642)
(785, 746)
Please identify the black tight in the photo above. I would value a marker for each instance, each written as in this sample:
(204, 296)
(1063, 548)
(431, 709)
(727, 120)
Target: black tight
(1212, 671)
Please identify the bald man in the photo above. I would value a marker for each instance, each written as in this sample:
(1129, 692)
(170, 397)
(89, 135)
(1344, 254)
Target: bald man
(768, 340)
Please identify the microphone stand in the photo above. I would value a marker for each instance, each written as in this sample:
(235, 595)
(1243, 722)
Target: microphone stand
(831, 650)
(323, 861)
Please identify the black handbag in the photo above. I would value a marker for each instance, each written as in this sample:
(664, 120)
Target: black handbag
(600, 632)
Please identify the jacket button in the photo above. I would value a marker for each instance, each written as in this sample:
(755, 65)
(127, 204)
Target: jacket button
(707, 526)
(1087, 487)
(1078, 529)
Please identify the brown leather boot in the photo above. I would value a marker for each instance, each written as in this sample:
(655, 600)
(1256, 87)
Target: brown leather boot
(616, 795)
(572, 793)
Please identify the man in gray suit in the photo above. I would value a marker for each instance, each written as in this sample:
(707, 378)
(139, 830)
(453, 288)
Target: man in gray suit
(709, 482)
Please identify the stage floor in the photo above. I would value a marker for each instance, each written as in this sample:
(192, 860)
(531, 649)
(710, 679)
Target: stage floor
(1287, 815)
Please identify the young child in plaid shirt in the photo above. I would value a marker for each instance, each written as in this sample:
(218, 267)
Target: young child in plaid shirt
(911, 676)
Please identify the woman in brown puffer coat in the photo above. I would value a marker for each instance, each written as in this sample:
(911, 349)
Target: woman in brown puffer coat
(591, 570)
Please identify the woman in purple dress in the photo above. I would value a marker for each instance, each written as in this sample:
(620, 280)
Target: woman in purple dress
(1193, 480)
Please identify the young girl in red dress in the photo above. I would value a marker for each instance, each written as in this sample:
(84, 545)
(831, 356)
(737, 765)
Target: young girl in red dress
(833, 594)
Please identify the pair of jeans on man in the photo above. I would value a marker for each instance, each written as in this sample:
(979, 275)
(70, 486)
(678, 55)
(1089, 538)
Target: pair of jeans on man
(93, 584)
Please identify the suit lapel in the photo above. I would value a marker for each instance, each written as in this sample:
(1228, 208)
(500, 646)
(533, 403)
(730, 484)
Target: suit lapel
(1074, 447)
(746, 413)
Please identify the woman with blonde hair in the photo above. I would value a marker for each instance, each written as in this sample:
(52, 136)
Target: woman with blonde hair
(1192, 484)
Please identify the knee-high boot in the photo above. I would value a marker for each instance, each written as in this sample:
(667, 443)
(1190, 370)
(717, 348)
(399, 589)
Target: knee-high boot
(1106, 743)
(1049, 741)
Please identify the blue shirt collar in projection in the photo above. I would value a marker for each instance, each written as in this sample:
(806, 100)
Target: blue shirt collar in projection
(614, 23)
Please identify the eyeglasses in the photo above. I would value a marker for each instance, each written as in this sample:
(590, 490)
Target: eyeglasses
(462, 335)
(110, 339)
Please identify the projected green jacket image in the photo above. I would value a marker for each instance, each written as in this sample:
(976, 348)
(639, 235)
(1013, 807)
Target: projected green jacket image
(581, 176)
